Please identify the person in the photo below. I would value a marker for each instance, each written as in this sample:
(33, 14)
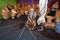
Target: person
(32, 14)
(24, 13)
(28, 7)
(22, 17)
(57, 29)
(5, 13)
(53, 10)
(26, 10)
(38, 12)
(18, 15)
(9, 6)
(34, 6)
(13, 13)
(17, 8)
(43, 10)
(49, 24)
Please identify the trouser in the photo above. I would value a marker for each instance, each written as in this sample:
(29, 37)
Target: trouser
(57, 29)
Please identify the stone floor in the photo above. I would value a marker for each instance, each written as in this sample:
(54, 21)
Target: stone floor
(10, 30)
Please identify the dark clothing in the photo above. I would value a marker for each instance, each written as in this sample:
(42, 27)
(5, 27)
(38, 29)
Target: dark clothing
(23, 17)
(37, 17)
(52, 12)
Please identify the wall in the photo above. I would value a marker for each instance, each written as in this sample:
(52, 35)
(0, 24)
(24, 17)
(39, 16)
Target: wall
(28, 2)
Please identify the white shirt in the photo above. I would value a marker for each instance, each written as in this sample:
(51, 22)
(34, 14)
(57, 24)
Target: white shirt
(43, 10)
(32, 15)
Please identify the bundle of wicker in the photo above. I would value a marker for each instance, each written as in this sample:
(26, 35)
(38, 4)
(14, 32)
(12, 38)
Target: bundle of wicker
(30, 24)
